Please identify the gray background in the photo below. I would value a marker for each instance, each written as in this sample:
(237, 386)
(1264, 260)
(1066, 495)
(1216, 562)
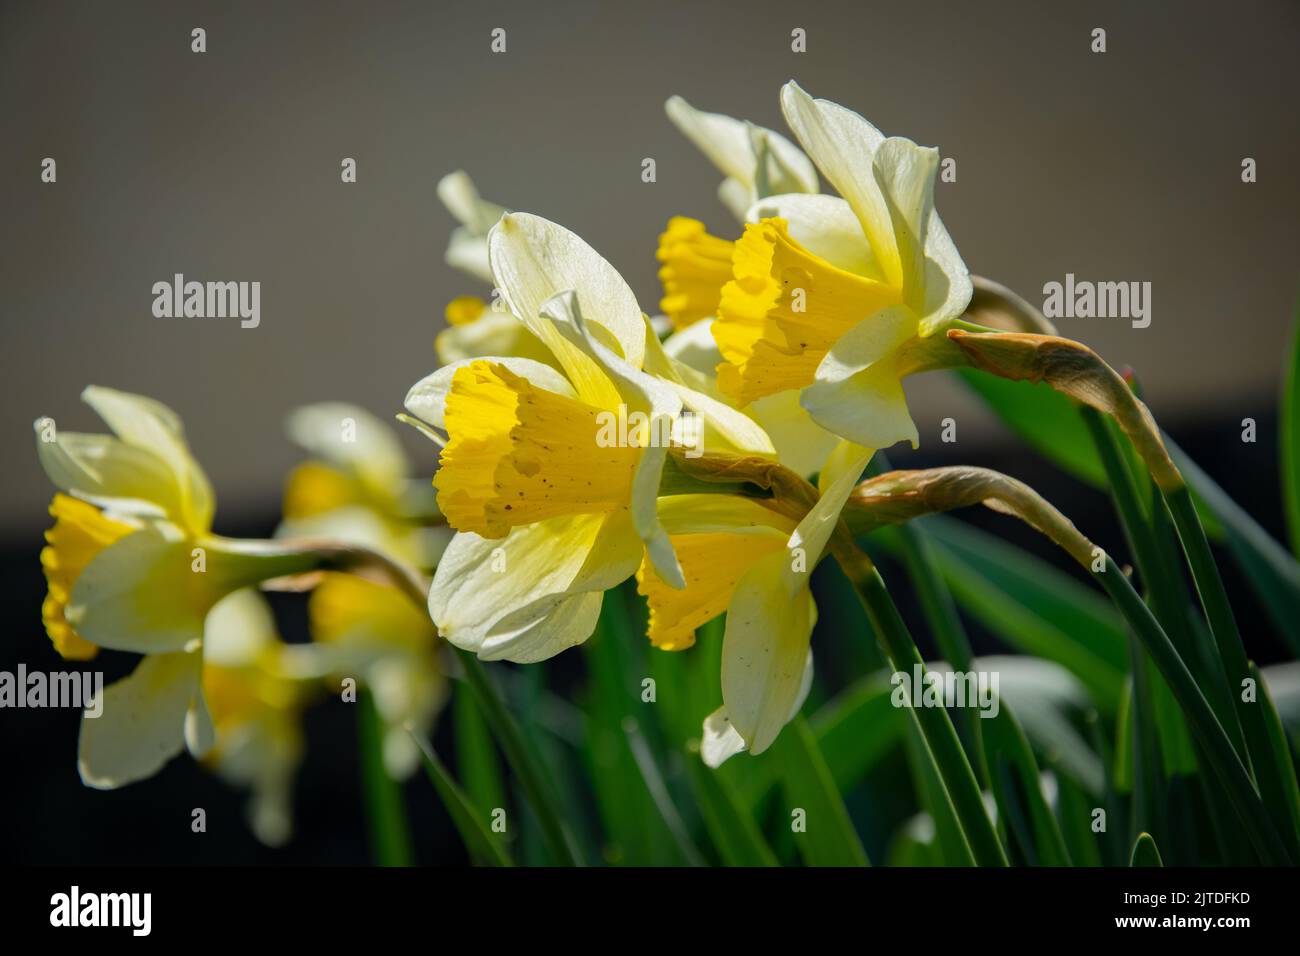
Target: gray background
(1122, 166)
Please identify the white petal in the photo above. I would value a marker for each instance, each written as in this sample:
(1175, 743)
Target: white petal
(723, 139)
(479, 581)
(542, 630)
(110, 473)
(694, 346)
(842, 145)
(493, 333)
(765, 650)
(533, 259)
(843, 468)
(427, 399)
(143, 721)
(948, 287)
(151, 425)
(857, 394)
(200, 735)
(238, 628)
(142, 594)
(459, 195)
(906, 175)
(721, 740)
(468, 252)
(351, 438)
(801, 444)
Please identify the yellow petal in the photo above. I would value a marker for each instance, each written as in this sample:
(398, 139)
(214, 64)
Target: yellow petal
(517, 454)
(314, 488)
(695, 267)
(80, 532)
(712, 564)
(783, 311)
(464, 309)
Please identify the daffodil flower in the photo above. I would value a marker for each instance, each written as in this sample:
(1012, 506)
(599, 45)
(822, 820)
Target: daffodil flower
(356, 488)
(372, 632)
(468, 249)
(754, 563)
(838, 299)
(132, 565)
(256, 694)
(756, 162)
(549, 515)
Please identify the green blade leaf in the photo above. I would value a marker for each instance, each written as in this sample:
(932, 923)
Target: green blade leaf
(390, 839)
(857, 729)
(470, 821)
(476, 758)
(731, 828)
(1145, 852)
(828, 837)
(1033, 606)
(1010, 752)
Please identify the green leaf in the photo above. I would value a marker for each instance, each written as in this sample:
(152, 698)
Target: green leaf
(1286, 804)
(828, 838)
(658, 790)
(1145, 852)
(476, 758)
(857, 729)
(635, 831)
(390, 841)
(1290, 438)
(731, 828)
(1033, 606)
(1268, 567)
(1009, 752)
(470, 821)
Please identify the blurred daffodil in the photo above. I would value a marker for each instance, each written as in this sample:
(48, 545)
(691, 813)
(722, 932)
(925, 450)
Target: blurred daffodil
(373, 633)
(838, 299)
(132, 565)
(256, 690)
(356, 487)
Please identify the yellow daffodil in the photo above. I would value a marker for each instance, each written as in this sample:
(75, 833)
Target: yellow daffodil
(549, 514)
(754, 563)
(132, 565)
(356, 488)
(373, 633)
(756, 162)
(835, 298)
(256, 695)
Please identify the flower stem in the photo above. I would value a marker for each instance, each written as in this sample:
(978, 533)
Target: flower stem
(935, 725)
(1205, 726)
(390, 837)
(521, 759)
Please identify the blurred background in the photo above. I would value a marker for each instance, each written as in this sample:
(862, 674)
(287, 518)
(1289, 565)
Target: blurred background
(1122, 166)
